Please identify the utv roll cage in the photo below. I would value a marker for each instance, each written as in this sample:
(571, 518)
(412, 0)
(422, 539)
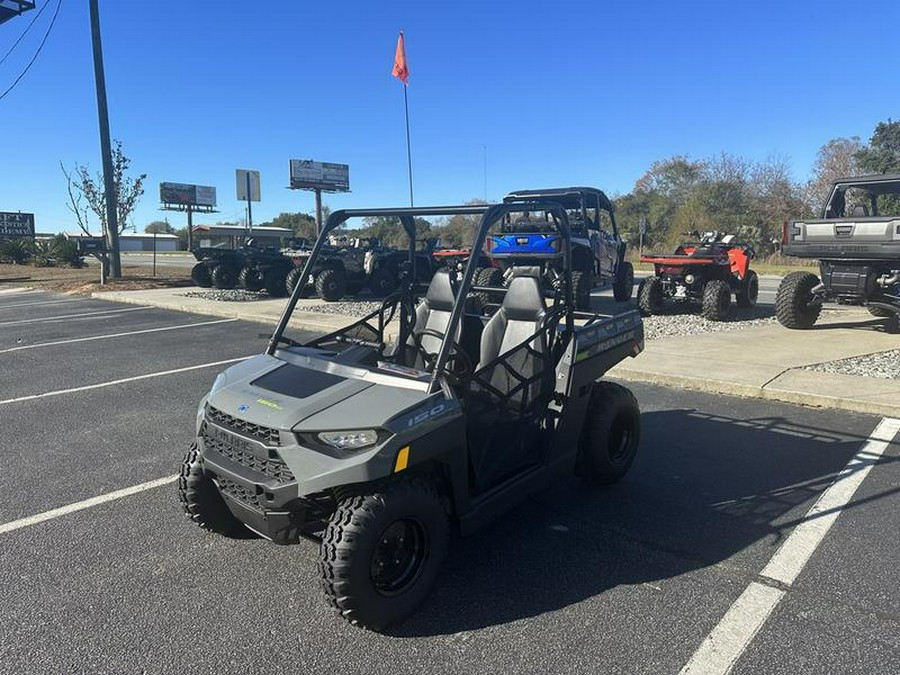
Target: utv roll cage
(873, 186)
(578, 199)
(404, 298)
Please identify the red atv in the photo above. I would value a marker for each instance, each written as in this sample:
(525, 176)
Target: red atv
(707, 271)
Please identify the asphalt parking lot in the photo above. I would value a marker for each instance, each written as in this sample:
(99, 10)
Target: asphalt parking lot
(724, 545)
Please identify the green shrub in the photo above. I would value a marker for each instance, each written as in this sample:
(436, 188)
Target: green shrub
(16, 251)
(66, 252)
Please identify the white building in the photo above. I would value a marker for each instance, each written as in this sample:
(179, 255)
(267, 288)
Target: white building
(135, 242)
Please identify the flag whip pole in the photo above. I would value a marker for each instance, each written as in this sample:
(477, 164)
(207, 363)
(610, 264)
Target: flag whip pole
(408, 150)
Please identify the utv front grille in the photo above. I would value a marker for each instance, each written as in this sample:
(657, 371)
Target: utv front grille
(258, 432)
(242, 494)
(238, 451)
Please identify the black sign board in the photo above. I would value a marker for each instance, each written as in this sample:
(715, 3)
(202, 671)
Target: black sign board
(16, 224)
(92, 245)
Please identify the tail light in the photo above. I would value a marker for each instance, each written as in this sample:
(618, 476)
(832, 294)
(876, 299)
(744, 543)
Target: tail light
(784, 232)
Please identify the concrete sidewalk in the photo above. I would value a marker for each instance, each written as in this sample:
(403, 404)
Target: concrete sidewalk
(768, 362)
(761, 362)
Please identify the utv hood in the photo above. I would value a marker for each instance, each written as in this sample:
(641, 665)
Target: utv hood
(267, 391)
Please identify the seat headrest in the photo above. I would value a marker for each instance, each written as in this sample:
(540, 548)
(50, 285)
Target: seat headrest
(524, 300)
(440, 293)
(860, 211)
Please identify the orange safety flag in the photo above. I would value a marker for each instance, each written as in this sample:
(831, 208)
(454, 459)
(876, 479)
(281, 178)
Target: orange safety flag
(401, 70)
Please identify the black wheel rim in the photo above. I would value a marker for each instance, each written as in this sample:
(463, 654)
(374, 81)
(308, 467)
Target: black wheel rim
(620, 434)
(399, 556)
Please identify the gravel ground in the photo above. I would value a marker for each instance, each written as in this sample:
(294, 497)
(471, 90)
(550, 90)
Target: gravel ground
(885, 365)
(345, 307)
(678, 321)
(233, 295)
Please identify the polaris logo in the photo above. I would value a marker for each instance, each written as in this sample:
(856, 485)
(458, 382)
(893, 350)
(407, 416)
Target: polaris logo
(843, 230)
(522, 241)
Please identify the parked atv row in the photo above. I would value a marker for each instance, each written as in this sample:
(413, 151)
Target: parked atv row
(249, 267)
(707, 272)
(345, 267)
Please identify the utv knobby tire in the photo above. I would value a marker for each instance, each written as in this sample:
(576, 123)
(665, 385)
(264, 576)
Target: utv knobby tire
(581, 290)
(490, 277)
(623, 286)
(610, 436)
(793, 301)
(364, 534)
(749, 291)
(650, 296)
(200, 275)
(224, 277)
(251, 279)
(381, 282)
(716, 300)
(290, 281)
(276, 283)
(330, 285)
(200, 497)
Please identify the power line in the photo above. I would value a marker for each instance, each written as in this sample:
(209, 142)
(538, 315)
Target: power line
(34, 58)
(24, 33)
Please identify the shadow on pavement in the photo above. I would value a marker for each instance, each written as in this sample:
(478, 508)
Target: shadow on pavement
(703, 489)
(885, 325)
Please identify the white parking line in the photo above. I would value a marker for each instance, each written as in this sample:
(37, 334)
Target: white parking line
(41, 304)
(124, 380)
(115, 335)
(86, 504)
(729, 639)
(102, 312)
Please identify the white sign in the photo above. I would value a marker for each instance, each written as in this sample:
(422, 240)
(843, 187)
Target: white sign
(305, 173)
(247, 178)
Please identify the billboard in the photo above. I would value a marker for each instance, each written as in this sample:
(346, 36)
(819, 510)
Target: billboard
(247, 178)
(16, 224)
(186, 194)
(305, 173)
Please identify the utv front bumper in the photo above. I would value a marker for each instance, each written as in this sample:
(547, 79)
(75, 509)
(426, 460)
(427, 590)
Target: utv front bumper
(255, 482)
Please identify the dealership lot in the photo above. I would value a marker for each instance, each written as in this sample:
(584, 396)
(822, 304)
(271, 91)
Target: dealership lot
(97, 397)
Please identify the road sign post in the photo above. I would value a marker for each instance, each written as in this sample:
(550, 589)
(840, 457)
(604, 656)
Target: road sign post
(248, 190)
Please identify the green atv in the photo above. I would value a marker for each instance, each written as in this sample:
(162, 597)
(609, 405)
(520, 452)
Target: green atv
(426, 416)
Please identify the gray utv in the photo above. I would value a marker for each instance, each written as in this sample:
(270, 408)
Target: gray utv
(428, 414)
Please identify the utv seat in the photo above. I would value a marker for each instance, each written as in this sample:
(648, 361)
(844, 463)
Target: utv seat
(519, 374)
(433, 319)
(432, 315)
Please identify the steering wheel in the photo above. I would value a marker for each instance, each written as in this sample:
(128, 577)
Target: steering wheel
(458, 367)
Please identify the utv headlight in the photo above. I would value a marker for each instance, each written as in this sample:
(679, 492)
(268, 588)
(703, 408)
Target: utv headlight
(349, 440)
(689, 279)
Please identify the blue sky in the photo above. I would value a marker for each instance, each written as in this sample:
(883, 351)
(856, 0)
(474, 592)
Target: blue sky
(549, 93)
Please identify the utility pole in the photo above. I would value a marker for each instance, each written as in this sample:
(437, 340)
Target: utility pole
(112, 205)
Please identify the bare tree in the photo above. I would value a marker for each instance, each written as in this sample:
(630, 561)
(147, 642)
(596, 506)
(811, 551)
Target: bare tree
(836, 159)
(87, 194)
